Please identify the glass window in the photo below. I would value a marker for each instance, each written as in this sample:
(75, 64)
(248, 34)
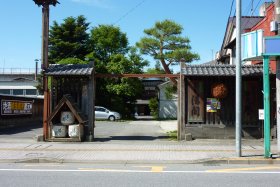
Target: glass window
(100, 109)
(31, 92)
(5, 91)
(18, 92)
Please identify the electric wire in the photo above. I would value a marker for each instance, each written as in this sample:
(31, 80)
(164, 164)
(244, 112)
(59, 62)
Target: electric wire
(118, 20)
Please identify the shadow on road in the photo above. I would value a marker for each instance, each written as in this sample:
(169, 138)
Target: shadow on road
(133, 138)
(20, 129)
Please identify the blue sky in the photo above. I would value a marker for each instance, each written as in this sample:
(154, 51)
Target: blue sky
(204, 22)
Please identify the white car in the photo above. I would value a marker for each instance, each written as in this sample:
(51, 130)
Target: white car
(104, 113)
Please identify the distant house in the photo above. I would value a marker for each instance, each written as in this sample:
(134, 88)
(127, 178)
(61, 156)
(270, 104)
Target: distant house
(150, 91)
(18, 82)
(227, 54)
(167, 103)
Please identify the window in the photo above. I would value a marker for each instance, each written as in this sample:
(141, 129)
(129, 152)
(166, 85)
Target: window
(31, 92)
(18, 92)
(5, 91)
(100, 109)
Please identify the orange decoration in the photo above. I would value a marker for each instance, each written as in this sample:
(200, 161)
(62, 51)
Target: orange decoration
(219, 90)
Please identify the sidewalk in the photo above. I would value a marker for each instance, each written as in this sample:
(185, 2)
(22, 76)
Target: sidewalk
(24, 148)
(197, 151)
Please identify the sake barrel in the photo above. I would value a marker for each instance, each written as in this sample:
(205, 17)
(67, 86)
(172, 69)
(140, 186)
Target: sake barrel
(59, 131)
(67, 118)
(75, 130)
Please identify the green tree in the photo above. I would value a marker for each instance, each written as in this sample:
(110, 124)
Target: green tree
(153, 105)
(71, 61)
(156, 70)
(107, 40)
(111, 54)
(69, 39)
(165, 43)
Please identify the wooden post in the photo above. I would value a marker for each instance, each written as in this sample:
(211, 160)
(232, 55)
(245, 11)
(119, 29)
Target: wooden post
(45, 43)
(91, 105)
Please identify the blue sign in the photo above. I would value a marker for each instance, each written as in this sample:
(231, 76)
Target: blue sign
(272, 46)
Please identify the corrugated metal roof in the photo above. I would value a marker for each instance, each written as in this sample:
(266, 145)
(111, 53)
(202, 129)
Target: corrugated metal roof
(222, 70)
(69, 70)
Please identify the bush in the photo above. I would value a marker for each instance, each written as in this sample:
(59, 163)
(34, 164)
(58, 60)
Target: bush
(153, 105)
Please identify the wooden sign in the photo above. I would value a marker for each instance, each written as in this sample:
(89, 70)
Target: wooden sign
(195, 101)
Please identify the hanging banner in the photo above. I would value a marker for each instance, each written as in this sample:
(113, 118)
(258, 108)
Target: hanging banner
(16, 107)
(212, 105)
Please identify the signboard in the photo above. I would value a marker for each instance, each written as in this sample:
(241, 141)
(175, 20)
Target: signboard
(252, 45)
(272, 46)
(16, 107)
(195, 101)
(213, 105)
(261, 114)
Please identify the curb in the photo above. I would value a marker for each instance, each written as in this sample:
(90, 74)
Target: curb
(222, 161)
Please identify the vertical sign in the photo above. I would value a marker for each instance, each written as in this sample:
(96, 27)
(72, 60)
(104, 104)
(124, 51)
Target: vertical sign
(195, 101)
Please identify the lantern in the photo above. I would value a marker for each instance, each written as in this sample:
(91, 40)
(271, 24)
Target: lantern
(219, 90)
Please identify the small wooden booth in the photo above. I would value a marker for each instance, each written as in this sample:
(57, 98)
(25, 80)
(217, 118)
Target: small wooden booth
(210, 100)
(71, 103)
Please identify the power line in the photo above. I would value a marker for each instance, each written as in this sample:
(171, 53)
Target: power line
(128, 12)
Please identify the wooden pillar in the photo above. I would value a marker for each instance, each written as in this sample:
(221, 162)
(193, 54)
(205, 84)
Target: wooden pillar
(91, 105)
(45, 43)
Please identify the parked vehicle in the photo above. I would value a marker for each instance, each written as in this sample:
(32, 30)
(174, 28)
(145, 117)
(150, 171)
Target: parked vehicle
(104, 113)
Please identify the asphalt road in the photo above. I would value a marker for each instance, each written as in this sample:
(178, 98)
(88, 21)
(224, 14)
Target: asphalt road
(104, 131)
(130, 130)
(138, 175)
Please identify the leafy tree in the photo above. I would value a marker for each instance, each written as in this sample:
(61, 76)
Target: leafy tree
(71, 61)
(68, 39)
(156, 70)
(107, 40)
(112, 55)
(153, 105)
(165, 43)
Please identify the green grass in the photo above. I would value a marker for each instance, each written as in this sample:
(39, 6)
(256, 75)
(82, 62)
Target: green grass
(172, 135)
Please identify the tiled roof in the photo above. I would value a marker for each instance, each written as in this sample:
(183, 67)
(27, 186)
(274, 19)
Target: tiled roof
(69, 70)
(222, 70)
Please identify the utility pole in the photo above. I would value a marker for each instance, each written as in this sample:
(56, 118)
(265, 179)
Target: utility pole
(238, 80)
(45, 63)
(277, 19)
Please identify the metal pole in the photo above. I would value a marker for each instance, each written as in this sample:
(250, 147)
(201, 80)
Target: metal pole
(266, 96)
(238, 77)
(277, 19)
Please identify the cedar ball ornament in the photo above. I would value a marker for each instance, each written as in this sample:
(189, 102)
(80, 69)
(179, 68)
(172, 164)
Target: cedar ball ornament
(219, 90)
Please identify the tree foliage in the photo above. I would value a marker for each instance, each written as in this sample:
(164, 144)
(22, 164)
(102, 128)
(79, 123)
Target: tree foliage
(107, 46)
(68, 39)
(71, 61)
(165, 43)
(153, 105)
(156, 70)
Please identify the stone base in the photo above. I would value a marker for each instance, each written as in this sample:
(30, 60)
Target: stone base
(221, 132)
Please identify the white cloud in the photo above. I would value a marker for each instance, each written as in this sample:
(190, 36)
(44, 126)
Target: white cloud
(96, 3)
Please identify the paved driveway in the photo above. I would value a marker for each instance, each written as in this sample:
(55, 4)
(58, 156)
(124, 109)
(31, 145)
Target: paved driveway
(131, 130)
(105, 131)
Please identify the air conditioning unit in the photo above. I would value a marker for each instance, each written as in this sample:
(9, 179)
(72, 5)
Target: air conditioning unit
(273, 26)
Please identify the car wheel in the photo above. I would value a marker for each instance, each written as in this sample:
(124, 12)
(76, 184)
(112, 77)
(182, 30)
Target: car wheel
(111, 118)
